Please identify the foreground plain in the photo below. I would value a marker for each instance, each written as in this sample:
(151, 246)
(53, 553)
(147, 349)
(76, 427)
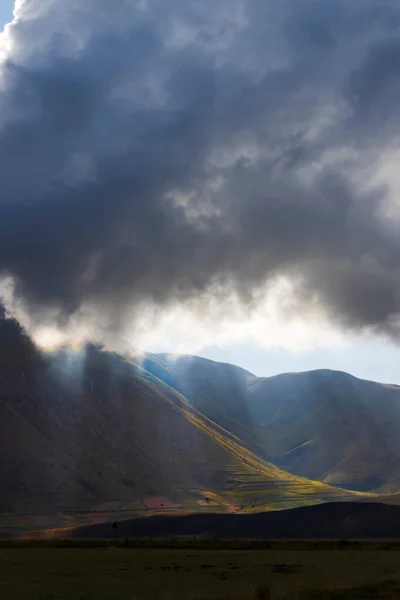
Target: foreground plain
(115, 572)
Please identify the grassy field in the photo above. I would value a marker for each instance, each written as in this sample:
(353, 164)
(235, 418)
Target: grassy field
(121, 573)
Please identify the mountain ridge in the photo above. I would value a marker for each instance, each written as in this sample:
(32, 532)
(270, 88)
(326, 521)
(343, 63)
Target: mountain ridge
(81, 431)
(299, 420)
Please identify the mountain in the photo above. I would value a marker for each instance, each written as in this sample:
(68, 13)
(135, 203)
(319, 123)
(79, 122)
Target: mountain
(218, 390)
(332, 427)
(334, 521)
(323, 425)
(79, 431)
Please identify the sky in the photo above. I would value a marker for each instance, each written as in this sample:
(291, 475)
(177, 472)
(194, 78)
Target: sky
(211, 177)
(6, 12)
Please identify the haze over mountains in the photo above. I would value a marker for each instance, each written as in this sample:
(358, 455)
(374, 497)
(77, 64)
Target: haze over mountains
(91, 429)
(324, 425)
(80, 430)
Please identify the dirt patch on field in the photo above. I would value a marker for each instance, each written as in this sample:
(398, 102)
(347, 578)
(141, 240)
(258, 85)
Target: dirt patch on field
(158, 503)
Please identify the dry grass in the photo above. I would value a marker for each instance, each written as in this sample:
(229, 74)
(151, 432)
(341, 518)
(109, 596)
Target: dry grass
(118, 573)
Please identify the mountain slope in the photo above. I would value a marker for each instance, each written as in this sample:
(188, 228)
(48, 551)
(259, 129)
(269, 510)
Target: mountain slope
(323, 425)
(79, 430)
(331, 426)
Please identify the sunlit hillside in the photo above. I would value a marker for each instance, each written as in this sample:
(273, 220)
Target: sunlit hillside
(93, 431)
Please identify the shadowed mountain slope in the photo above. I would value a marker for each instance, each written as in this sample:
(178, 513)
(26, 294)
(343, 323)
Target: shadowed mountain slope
(81, 429)
(331, 426)
(324, 425)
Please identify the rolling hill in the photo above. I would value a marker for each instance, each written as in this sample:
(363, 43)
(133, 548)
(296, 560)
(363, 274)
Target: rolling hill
(93, 431)
(330, 521)
(323, 425)
(331, 426)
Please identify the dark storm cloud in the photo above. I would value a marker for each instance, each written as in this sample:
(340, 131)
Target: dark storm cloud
(150, 150)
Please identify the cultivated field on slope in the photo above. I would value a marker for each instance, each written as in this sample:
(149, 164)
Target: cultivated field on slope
(146, 574)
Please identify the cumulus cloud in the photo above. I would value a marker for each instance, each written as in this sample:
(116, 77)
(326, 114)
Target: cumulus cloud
(154, 154)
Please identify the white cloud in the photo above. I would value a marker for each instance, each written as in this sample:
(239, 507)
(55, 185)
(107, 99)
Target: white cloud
(267, 323)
